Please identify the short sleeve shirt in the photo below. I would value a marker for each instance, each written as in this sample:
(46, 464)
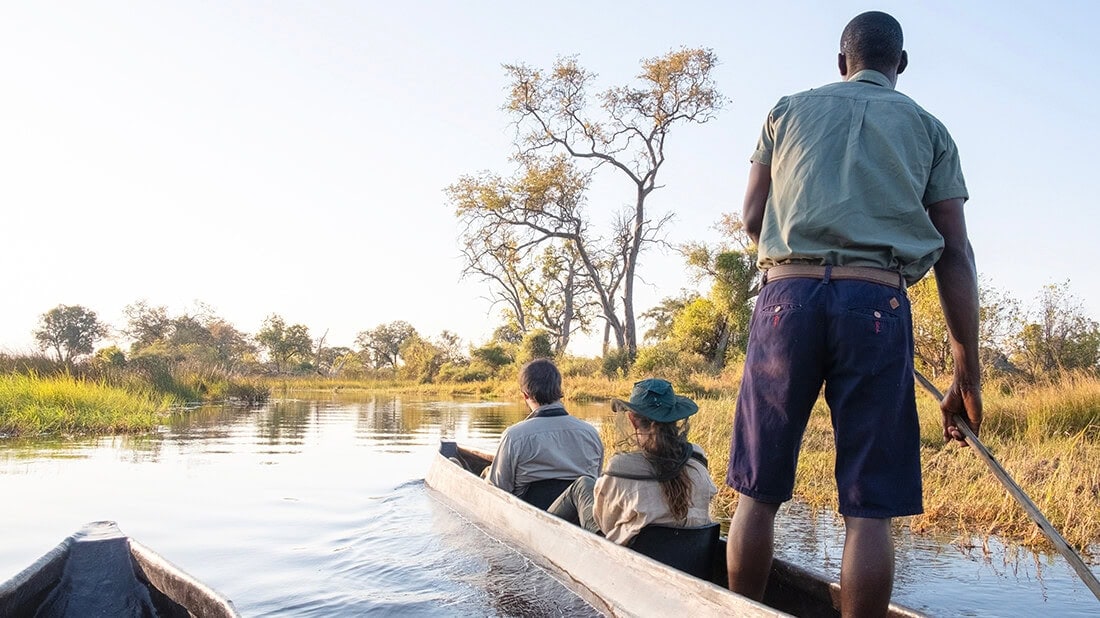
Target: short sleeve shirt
(854, 166)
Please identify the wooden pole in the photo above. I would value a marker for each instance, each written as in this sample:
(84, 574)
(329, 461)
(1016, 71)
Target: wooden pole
(1016, 492)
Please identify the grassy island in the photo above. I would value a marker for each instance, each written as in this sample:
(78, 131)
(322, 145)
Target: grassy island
(63, 404)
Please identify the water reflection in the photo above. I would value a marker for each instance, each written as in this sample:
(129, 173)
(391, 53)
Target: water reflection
(204, 417)
(314, 506)
(285, 422)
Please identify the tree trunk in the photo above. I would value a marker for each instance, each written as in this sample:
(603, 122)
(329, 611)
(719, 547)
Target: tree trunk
(567, 314)
(630, 337)
(317, 353)
(719, 359)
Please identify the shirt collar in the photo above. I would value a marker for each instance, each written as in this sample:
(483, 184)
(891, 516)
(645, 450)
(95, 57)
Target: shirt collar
(872, 77)
(551, 409)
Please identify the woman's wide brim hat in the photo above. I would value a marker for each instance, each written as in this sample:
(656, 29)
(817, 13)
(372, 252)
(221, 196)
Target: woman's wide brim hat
(654, 399)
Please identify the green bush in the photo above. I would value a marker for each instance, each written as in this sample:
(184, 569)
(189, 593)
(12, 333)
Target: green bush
(615, 364)
(464, 373)
(110, 356)
(535, 344)
(667, 361)
(494, 355)
(576, 366)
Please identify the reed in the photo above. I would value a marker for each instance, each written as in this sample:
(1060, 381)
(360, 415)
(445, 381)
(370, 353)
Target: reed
(33, 405)
(1060, 408)
(1059, 474)
(1047, 437)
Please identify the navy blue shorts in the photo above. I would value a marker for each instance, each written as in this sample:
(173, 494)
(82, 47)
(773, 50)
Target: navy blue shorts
(856, 338)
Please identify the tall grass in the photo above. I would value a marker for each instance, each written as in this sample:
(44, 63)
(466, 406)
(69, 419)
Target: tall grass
(1047, 437)
(318, 384)
(32, 405)
(1058, 474)
(1061, 408)
(185, 381)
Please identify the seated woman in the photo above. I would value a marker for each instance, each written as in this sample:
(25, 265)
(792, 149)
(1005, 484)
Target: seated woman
(665, 481)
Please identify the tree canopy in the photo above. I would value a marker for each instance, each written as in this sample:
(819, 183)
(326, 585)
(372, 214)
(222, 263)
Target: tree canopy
(381, 346)
(283, 343)
(558, 131)
(69, 331)
(199, 337)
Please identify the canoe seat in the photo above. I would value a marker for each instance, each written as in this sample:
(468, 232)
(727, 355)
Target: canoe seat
(689, 549)
(543, 493)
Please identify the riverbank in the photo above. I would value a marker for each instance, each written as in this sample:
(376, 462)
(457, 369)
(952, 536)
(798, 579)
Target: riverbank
(33, 405)
(1046, 436)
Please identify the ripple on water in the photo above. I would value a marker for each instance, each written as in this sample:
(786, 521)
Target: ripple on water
(409, 556)
(942, 578)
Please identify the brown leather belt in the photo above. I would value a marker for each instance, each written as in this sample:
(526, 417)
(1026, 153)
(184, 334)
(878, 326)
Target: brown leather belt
(811, 271)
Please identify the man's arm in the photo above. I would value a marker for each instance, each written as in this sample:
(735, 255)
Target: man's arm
(756, 197)
(957, 280)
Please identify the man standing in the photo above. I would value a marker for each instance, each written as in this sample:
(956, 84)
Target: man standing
(549, 444)
(854, 192)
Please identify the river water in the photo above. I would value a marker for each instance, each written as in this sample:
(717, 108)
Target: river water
(317, 507)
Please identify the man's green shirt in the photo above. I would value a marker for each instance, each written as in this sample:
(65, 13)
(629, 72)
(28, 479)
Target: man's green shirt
(854, 166)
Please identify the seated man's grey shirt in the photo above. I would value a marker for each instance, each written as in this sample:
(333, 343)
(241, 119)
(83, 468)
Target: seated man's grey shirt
(854, 165)
(546, 447)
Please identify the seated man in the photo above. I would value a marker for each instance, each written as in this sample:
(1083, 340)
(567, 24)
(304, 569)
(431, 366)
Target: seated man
(549, 444)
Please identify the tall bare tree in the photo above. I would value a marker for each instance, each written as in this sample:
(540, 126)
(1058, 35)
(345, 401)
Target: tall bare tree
(540, 205)
(626, 131)
(491, 254)
(560, 299)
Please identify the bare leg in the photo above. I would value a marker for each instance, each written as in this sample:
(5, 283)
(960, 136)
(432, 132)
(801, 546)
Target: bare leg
(750, 546)
(867, 570)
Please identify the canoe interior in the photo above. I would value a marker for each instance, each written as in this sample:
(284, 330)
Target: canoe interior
(791, 589)
(100, 571)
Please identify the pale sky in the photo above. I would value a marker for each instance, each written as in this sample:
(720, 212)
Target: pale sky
(290, 157)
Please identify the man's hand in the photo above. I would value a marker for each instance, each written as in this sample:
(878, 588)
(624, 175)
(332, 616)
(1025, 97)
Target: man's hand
(957, 281)
(964, 400)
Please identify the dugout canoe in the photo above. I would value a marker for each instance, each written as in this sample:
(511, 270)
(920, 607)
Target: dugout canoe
(99, 571)
(616, 580)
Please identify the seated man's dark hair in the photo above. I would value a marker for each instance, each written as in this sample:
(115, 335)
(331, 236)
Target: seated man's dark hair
(541, 380)
(872, 40)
